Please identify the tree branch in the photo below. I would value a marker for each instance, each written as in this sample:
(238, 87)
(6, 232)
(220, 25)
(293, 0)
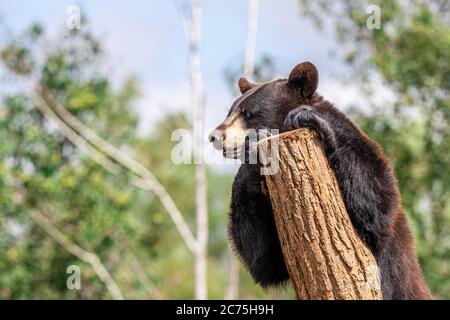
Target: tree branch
(73, 137)
(149, 286)
(148, 179)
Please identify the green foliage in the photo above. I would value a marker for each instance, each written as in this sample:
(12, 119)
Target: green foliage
(91, 206)
(411, 53)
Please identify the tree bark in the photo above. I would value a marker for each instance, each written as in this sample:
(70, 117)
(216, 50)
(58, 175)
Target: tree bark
(325, 257)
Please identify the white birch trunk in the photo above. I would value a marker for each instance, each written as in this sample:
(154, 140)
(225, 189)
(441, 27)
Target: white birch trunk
(250, 47)
(192, 22)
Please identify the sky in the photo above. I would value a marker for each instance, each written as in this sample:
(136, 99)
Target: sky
(146, 39)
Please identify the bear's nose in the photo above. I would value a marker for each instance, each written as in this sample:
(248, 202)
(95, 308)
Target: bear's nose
(215, 136)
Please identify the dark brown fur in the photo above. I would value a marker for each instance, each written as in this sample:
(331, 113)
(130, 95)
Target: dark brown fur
(363, 172)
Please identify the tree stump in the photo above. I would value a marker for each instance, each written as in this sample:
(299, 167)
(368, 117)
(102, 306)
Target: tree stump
(325, 257)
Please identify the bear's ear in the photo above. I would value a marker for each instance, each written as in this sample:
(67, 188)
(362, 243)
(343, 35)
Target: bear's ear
(245, 85)
(305, 78)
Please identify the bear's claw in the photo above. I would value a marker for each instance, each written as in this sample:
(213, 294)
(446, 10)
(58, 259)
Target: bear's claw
(299, 117)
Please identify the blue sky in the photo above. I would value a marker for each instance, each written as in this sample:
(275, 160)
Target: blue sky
(146, 38)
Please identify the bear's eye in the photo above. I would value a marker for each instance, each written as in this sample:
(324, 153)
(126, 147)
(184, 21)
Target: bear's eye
(247, 114)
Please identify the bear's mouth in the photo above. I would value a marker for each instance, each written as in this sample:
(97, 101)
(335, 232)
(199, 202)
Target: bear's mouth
(247, 148)
(231, 153)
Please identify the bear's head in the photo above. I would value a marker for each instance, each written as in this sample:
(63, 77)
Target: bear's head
(264, 106)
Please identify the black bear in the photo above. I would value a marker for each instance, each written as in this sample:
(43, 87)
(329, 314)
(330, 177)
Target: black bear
(363, 172)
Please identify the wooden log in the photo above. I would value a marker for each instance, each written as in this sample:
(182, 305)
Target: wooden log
(325, 257)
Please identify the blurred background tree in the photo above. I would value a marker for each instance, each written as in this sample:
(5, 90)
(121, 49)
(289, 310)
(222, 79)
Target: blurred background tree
(93, 207)
(407, 60)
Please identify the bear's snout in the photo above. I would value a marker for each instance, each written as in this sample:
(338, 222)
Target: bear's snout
(216, 138)
(229, 136)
